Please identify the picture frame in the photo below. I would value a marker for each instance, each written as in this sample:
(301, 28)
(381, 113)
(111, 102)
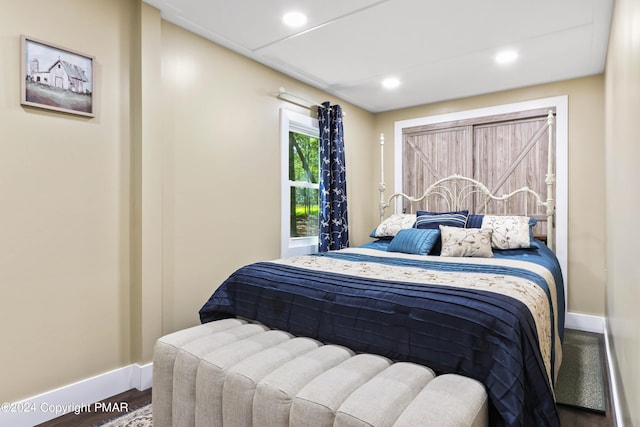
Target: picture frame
(56, 78)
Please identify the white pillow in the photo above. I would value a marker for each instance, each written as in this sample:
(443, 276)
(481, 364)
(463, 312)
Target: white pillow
(508, 232)
(396, 222)
(465, 242)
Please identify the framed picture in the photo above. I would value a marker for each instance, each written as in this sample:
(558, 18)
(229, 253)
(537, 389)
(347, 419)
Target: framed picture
(56, 78)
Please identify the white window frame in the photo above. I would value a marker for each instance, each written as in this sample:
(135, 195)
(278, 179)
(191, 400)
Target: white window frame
(292, 121)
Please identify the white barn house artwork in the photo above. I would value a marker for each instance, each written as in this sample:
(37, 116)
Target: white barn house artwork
(61, 74)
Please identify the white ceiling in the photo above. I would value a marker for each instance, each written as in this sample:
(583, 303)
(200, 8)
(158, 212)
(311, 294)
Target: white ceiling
(438, 49)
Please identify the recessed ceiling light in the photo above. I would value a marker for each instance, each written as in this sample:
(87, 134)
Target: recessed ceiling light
(390, 83)
(294, 19)
(506, 56)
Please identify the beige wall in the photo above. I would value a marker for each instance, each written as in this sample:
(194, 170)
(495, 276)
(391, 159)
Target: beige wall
(64, 265)
(586, 246)
(221, 206)
(623, 200)
(116, 229)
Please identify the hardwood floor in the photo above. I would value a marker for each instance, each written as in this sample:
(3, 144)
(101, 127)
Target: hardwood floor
(129, 399)
(576, 417)
(569, 416)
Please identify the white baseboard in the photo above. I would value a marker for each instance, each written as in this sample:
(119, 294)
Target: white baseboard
(613, 382)
(76, 397)
(597, 324)
(584, 322)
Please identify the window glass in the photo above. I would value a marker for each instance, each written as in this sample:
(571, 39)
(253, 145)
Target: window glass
(303, 174)
(300, 188)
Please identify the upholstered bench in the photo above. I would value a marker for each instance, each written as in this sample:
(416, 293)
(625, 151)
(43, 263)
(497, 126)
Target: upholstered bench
(236, 373)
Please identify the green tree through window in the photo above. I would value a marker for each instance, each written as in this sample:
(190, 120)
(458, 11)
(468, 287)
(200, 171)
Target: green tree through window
(303, 177)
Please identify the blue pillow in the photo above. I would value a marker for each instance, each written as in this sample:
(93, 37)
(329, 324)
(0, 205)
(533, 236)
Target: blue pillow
(474, 221)
(414, 241)
(428, 220)
(433, 220)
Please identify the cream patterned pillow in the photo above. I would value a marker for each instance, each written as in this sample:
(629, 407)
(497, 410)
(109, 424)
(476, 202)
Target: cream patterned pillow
(509, 232)
(466, 242)
(396, 222)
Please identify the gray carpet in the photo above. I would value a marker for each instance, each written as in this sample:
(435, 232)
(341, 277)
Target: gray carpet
(580, 380)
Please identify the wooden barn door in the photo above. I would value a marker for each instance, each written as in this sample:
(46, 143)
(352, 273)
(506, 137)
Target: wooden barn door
(431, 153)
(511, 155)
(504, 152)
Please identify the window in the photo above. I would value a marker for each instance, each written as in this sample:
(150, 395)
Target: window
(300, 167)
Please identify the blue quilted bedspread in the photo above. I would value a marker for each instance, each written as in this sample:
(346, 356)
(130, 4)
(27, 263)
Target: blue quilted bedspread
(471, 331)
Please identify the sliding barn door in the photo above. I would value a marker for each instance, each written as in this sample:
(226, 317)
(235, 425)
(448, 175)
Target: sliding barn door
(504, 152)
(511, 155)
(431, 153)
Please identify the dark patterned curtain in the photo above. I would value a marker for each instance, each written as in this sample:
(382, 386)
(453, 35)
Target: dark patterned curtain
(334, 227)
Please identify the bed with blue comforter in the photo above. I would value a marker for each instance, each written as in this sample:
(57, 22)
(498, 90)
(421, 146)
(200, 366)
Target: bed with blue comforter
(498, 320)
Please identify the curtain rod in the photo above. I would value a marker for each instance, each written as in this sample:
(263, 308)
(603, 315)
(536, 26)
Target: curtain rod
(285, 95)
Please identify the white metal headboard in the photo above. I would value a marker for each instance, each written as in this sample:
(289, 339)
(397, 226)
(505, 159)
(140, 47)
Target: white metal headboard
(456, 190)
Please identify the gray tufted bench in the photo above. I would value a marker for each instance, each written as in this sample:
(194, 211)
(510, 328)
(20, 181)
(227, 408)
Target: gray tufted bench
(236, 373)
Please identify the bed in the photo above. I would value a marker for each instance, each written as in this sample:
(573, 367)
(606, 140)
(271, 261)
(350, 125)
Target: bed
(460, 292)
